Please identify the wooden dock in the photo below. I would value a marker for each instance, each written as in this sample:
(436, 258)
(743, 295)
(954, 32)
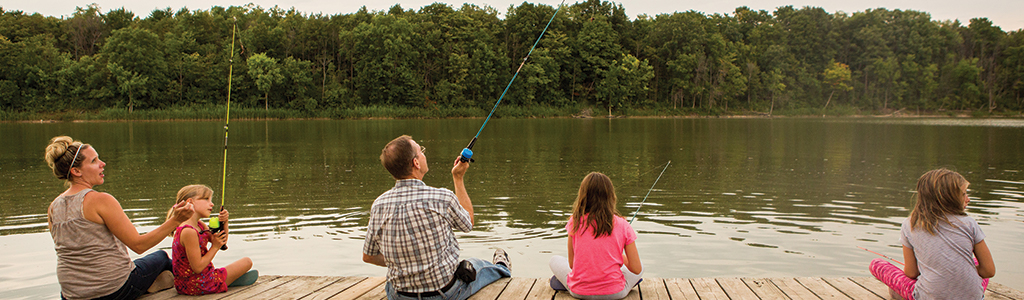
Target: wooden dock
(372, 288)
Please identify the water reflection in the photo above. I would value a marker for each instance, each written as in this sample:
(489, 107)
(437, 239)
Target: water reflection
(758, 197)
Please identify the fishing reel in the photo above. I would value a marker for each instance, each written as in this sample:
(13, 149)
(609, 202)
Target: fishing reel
(467, 153)
(215, 227)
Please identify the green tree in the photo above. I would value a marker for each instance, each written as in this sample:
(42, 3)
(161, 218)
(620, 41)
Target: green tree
(837, 77)
(138, 56)
(267, 74)
(85, 30)
(625, 83)
(129, 82)
(887, 70)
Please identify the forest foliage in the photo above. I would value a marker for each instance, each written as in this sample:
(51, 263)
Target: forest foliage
(460, 59)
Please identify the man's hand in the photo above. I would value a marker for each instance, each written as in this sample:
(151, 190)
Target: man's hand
(459, 169)
(374, 259)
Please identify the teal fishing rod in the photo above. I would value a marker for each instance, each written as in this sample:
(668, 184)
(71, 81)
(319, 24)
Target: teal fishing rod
(467, 153)
(215, 225)
(649, 192)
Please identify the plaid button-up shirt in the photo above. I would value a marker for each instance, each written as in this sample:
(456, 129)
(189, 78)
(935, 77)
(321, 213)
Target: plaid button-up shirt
(412, 226)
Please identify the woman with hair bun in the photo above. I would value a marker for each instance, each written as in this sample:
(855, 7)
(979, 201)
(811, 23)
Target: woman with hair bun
(91, 233)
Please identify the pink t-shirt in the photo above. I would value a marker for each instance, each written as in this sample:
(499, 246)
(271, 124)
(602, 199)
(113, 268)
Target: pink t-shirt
(597, 262)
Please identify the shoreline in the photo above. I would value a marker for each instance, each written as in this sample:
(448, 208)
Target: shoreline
(899, 115)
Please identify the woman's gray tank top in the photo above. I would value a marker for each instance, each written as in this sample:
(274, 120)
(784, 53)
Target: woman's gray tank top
(91, 261)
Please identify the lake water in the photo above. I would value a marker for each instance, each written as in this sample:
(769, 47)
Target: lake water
(741, 197)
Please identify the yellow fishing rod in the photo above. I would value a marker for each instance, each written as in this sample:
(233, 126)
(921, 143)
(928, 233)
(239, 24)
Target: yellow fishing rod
(215, 225)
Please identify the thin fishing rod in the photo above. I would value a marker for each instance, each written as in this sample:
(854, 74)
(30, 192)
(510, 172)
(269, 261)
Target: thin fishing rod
(227, 117)
(467, 153)
(649, 192)
(215, 224)
(882, 255)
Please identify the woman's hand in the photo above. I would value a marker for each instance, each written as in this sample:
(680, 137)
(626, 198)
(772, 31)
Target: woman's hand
(182, 211)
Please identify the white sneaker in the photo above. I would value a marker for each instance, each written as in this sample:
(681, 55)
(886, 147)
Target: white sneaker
(500, 257)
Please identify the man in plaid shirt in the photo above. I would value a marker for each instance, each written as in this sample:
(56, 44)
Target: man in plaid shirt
(411, 231)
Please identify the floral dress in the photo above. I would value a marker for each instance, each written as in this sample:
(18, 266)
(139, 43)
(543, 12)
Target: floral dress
(188, 282)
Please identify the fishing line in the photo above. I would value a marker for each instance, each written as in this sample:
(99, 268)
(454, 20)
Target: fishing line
(649, 192)
(882, 255)
(215, 225)
(467, 153)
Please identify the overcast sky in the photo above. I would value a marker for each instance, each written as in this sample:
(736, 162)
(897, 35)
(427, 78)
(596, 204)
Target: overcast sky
(1008, 14)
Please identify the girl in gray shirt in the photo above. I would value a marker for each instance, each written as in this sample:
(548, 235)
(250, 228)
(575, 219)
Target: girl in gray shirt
(940, 244)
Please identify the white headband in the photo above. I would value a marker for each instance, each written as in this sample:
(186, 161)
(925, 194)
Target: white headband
(73, 161)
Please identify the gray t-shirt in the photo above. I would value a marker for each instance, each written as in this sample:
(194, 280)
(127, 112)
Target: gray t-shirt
(946, 259)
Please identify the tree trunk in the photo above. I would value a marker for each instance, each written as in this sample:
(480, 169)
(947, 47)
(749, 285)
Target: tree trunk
(885, 103)
(827, 102)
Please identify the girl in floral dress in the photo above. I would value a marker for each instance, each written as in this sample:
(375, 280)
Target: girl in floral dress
(192, 261)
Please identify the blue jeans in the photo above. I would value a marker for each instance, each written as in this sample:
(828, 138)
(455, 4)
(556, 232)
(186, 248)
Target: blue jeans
(146, 270)
(486, 273)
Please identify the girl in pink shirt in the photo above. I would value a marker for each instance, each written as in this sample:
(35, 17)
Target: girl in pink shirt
(603, 262)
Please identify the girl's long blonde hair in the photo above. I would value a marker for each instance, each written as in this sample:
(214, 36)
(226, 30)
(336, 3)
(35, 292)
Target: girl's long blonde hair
(193, 191)
(940, 192)
(595, 205)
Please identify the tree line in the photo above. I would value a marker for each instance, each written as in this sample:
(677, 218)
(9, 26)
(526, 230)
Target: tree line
(593, 55)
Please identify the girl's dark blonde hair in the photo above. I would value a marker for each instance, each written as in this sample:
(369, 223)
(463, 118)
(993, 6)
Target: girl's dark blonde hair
(596, 200)
(60, 156)
(194, 191)
(940, 192)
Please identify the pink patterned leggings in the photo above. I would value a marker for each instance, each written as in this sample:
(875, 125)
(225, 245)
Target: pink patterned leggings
(894, 278)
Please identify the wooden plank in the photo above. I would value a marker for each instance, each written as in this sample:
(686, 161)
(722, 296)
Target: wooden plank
(764, 288)
(851, 289)
(161, 295)
(793, 289)
(872, 284)
(989, 295)
(681, 289)
(257, 289)
(541, 290)
(707, 288)
(736, 289)
(562, 295)
(491, 291)
(300, 287)
(1004, 290)
(360, 288)
(518, 288)
(262, 280)
(333, 289)
(377, 293)
(634, 294)
(820, 288)
(654, 289)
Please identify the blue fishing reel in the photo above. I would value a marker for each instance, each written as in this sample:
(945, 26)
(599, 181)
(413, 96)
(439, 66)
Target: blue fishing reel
(467, 153)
